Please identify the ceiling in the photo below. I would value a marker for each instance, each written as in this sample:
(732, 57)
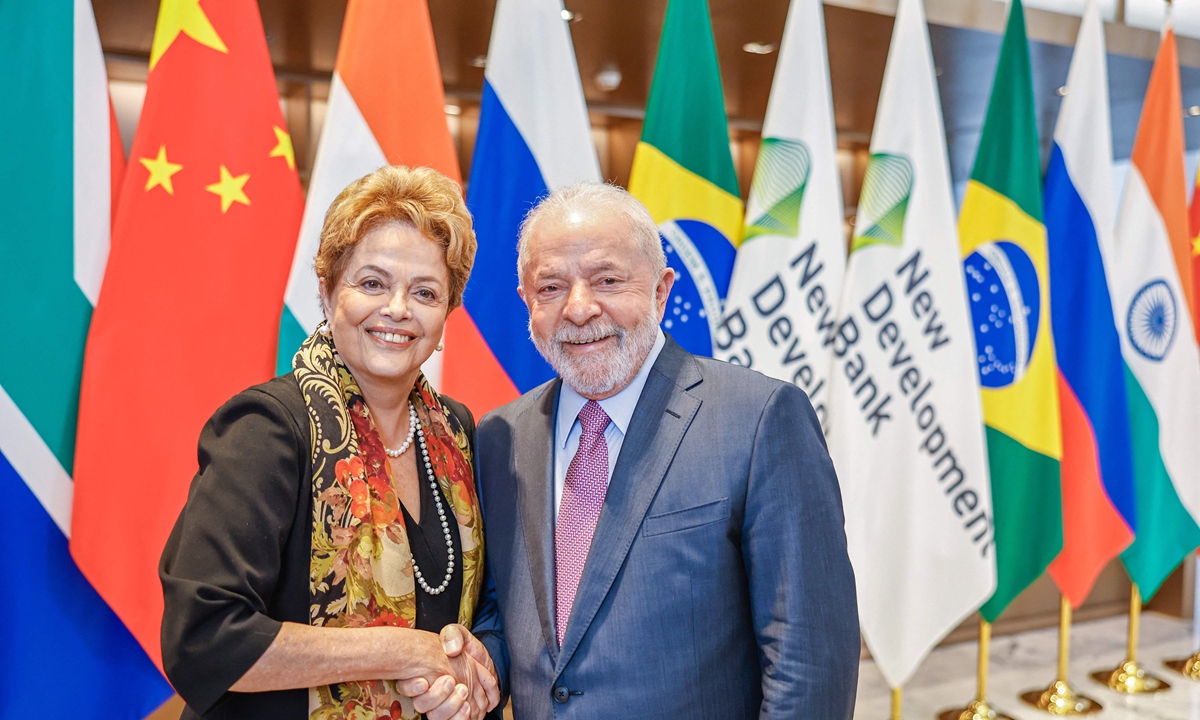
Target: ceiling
(303, 37)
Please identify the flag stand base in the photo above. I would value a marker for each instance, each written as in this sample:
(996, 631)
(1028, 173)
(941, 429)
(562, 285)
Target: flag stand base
(1060, 699)
(1130, 678)
(977, 710)
(980, 708)
(1189, 667)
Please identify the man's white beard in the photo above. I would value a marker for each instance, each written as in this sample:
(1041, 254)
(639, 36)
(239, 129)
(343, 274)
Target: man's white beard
(600, 373)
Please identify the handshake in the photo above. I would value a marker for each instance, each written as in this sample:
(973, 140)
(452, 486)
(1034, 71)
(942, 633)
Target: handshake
(451, 677)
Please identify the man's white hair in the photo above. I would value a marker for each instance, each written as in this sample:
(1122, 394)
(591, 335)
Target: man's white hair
(589, 196)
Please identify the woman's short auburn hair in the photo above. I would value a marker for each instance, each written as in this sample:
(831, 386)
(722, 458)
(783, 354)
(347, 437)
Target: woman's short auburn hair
(421, 197)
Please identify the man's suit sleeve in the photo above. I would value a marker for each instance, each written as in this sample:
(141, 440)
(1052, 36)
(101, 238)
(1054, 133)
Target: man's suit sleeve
(800, 579)
(488, 626)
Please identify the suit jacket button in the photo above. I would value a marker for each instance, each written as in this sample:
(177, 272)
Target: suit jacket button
(560, 694)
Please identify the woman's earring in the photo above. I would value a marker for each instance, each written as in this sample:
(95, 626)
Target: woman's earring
(440, 347)
(323, 328)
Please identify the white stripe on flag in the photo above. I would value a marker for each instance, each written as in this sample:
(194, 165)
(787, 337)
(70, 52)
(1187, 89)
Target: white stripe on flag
(1166, 360)
(531, 66)
(347, 151)
(93, 160)
(35, 463)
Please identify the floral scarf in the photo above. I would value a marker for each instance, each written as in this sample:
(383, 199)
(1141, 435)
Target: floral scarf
(361, 573)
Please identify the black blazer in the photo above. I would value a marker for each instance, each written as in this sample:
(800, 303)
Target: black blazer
(236, 564)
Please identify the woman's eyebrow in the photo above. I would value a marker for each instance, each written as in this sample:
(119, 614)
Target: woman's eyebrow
(375, 269)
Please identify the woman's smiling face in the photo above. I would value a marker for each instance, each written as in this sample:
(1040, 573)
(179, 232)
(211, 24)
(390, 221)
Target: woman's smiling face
(389, 308)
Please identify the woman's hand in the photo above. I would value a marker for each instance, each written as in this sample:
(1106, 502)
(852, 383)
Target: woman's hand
(420, 655)
(445, 700)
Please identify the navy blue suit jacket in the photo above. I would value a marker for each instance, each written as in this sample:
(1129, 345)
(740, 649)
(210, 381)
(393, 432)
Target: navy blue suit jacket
(717, 585)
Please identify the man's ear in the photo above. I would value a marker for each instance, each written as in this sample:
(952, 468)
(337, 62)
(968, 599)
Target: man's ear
(662, 291)
(521, 293)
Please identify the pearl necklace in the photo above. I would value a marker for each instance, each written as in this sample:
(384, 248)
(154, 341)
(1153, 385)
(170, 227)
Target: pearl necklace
(412, 428)
(437, 501)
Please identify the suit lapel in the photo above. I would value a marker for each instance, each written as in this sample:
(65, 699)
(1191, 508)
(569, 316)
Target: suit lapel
(535, 483)
(663, 414)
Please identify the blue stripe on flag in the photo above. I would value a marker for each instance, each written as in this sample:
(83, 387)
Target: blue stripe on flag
(65, 651)
(1085, 334)
(505, 184)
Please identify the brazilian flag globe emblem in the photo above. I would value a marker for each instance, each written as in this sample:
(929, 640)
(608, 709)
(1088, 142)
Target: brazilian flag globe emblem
(683, 173)
(1006, 268)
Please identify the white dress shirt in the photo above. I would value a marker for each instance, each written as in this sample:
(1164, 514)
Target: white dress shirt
(619, 408)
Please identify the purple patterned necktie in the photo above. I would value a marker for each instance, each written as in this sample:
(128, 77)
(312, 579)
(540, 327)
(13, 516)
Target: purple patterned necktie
(579, 510)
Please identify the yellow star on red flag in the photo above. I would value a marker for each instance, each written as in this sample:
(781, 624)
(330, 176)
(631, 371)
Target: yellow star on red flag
(283, 147)
(182, 16)
(229, 188)
(160, 171)
(1196, 246)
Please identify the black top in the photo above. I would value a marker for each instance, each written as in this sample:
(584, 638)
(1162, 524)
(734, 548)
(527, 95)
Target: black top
(428, 545)
(236, 564)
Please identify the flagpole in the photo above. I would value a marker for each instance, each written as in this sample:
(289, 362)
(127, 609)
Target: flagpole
(979, 709)
(1060, 698)
(1130, 676)
(1189, 667)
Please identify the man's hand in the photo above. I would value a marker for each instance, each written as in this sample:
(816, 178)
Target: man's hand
(471, 699)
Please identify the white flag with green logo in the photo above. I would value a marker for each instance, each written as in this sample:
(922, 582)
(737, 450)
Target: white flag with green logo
(906, 427)
(788, 273)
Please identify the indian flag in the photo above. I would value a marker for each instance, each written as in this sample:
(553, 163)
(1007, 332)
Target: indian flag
(386, 105)
(1151, 266)
(683, 173)
(1006, 263)
(61, 167)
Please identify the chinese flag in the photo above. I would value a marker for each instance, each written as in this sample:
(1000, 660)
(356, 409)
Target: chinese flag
(189, 309)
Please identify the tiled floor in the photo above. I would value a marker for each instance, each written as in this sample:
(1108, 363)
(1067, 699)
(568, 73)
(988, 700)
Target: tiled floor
(1028, 660)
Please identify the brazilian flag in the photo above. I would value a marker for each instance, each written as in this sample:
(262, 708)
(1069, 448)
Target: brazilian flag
(1006, 262)
(683, 173)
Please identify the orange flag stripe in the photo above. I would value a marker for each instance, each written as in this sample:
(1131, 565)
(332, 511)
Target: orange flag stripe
(388, 62)
(1159, 156)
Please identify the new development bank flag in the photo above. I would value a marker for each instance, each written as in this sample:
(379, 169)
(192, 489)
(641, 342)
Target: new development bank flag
(907, 429)
(386, 60)
(534, 137)
(1162, 377)
(1097, 465)
(1005, 259)
(66, 653)
(683, 173)
(788, 273)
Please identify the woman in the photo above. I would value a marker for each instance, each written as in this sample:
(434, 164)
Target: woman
(333, 527)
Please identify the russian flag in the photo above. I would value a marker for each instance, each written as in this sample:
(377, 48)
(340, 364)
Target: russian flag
(534, 137)
(1099, 517)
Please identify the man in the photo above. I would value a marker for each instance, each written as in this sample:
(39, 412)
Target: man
(664, 531)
